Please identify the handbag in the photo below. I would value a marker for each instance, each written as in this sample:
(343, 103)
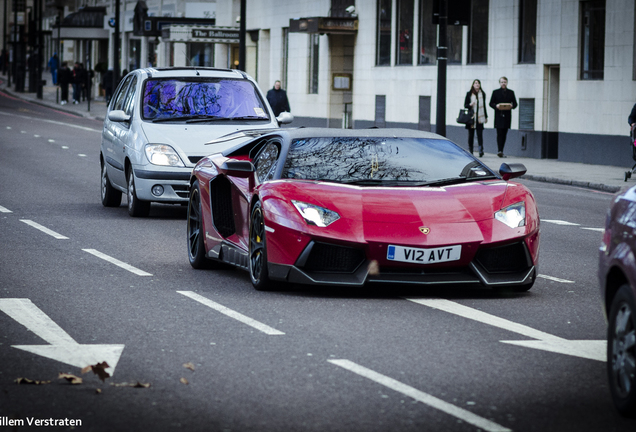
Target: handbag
(466, 116)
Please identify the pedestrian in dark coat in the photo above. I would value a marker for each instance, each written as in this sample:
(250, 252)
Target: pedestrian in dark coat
(277, 98)
(632, 117)
(64, 78)
(502, 101)
(476, 100)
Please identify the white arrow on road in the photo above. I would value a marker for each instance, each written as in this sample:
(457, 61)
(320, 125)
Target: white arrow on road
(62, 346)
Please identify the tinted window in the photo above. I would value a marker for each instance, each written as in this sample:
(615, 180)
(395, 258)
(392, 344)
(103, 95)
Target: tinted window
(354, 159)
(266, 162)
(130, 97)
(225, 98)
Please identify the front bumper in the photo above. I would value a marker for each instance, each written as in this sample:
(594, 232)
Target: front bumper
(175, 183)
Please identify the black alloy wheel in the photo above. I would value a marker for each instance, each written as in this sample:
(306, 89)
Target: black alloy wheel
(621, 352)
(196, 246)
(111, 197)
(258, 250)
(136, 207)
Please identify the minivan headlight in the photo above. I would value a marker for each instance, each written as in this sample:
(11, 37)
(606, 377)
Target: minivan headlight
(514, 215)
(163, 154)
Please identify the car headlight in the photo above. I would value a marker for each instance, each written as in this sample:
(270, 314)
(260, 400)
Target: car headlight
(514, 215)
(162, 154)
(315, 215)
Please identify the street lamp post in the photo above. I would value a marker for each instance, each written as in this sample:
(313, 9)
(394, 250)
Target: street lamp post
(442, 50)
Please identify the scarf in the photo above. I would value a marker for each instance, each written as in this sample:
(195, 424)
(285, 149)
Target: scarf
(480, 112)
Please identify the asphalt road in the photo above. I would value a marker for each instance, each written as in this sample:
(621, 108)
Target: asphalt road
(81, 282)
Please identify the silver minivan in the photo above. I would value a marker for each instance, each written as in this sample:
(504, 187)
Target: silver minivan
(158, 123)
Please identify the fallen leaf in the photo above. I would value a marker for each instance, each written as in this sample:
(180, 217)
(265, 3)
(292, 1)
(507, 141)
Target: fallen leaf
(70, 378)
(374, 268)
(98, 391)
(30, 381)
(189, 366)
(184, 381)
(135, 385)
(99, 369)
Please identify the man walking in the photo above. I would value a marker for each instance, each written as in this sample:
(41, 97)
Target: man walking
(277, 98)
(502, 101)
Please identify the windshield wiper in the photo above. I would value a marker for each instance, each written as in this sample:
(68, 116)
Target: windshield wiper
(186, 118)
(216, 118)
(444, 182)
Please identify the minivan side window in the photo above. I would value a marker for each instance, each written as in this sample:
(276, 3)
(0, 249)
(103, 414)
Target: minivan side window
(130, 97)
(119, 97)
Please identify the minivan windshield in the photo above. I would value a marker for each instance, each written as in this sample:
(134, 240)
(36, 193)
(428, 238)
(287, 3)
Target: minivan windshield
(201, 99)
(382, 161)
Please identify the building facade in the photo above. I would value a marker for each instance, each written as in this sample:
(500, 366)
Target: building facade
(373, 63)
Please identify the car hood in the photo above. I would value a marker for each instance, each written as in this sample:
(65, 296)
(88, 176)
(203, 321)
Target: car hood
(455, 213)
(191, 138)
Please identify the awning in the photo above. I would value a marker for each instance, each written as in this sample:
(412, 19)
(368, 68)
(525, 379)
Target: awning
(324, 25)
(86, 23)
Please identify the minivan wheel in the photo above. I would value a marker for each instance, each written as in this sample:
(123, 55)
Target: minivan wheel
(136, 207)
(111, 197)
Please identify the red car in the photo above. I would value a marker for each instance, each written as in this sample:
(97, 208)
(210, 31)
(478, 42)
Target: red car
(617, 277)
(351, 207)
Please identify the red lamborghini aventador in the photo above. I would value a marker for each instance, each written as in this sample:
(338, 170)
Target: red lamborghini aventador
(351, 207)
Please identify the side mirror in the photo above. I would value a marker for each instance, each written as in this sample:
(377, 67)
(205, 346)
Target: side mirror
(118, 116)
(242, 169)
(513, 170)
(285, 118)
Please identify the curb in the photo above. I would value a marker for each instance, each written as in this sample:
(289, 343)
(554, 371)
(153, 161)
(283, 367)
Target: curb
(588, 185)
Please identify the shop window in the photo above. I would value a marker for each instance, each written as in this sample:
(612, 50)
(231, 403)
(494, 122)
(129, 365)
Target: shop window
(405, 32)
(383, 33)
(592, 39)
(428, 34)
(528, 31)
(454, 52)
(201, 54)
(478, 33)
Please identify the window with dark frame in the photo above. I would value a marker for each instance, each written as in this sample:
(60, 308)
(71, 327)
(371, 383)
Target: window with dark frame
(383, 33)
(528, 31)
(314, 53)
(285, 58)
(592, 39)
(454, 53)
(428, 34)
(478, 32)
(405, 10)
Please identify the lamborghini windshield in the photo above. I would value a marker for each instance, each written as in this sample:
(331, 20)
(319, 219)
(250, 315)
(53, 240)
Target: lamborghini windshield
(200, 100)
(382, 161)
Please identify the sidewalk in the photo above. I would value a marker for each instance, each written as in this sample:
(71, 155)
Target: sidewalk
(597, 177)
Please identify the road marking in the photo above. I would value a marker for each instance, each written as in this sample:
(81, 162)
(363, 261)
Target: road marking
(52, 122)
(81, 155)
(588, 349)
(594, 229)
(420, 396)
(36, 136)
(232, 314)
(44, 229)
(62, 346)
(118, 263)
(555, 279)
(51, 140)
(5, 210)
(559, 222)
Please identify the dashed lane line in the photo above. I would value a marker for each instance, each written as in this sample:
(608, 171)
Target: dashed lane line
(5, 210)
(118, 263)
(232, 314)
(560, 222)
(420, 396)
(594, 229)
(44, 229)
(52, 122)
(555, 279)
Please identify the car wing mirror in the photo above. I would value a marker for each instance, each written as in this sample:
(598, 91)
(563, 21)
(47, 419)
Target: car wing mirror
(513, 170)
(285, 118)
(118, 116)
(241, 169)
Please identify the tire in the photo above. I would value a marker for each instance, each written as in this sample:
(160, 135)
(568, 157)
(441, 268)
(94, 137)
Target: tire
(196, 245)
(621, 351)
(258, 250)
(111, 197)
(136, 207)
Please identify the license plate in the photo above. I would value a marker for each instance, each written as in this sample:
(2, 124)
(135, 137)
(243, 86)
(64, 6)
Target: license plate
(424, 256)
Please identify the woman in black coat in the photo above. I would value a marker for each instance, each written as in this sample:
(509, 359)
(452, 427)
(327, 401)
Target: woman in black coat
(476, 100)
